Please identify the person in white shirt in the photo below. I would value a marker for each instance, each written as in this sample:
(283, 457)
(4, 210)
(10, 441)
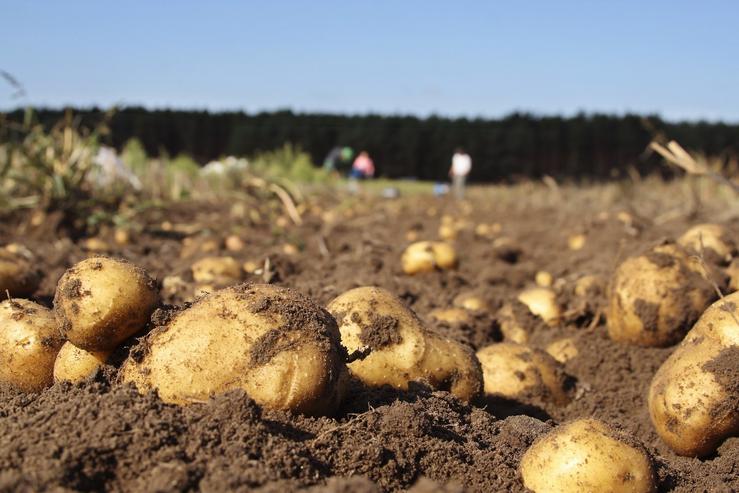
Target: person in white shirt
(461, 166)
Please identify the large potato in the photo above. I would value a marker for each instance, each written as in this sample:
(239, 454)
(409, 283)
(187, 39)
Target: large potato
(272, 342)
(73, 364)
(18, 276)
(426, 256)
(402, 349)
(694, 396)
(712, 239)
(519, 372)
(29, 342)
(587, 455)
(655, 297)
(100, 302)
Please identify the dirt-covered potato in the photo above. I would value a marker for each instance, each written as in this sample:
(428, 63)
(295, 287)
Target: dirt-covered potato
(29, 342)
(525, 374)
(655, 297)
(516, 321)
(426, 256)
(587, 455)
(713, 240)
(73, 364)
(278, 346)
(18, 275)
(219, 271)
(401, 348)
(589, 286)
(563, 350)
(100, 302)
(694, 396)
(543, 303)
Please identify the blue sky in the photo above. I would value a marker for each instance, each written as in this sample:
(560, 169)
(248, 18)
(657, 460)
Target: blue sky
(473, 58)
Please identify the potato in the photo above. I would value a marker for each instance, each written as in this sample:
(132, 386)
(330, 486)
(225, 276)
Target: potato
(29, 342)
(522, 373)
(470, 301)
(100, 302)
(426, 256)
(587, 455)
(18, 275)
(234, 243)
(278, 346)
(563, 350)
(544, 279)
(713, 239)
(694, 396)
(451, 315)
(402, 348)
(655, 297)
(221, 271)
(577, 241)
(515, 321)
(448, 232)
(73, 364)
(543, 303)
(588, 286)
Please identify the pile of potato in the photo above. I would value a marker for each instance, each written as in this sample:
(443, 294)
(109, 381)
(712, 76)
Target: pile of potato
(287, 352)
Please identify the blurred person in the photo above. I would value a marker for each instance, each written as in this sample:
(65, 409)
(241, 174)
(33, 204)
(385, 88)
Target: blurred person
(363, 166)
(338, 158)
(461, 167)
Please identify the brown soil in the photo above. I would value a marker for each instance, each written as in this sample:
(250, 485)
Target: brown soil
(102, 435)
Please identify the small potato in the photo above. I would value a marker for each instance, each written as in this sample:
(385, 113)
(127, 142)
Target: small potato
(121, 236)
(278, 346)
(544, 279)
(73, 364)
(470, 301)
(221, 271)
(694, 394)
(100, 302)
(97, 245)
(655, 297)
(587, 455)
(18, 275)
(234, 243)
(519, 372)
(451, 315)
(563, 350)
(543, 303)
(515, 321)
(588, 286)
(577, 241)
(29, 342)
(713, 239)
(402, 348)
(427, 256)
(448, 232)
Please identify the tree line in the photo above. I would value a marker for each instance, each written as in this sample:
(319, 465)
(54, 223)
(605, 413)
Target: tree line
(586, 146)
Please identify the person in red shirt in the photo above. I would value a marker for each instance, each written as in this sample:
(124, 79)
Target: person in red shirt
(363, 166)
